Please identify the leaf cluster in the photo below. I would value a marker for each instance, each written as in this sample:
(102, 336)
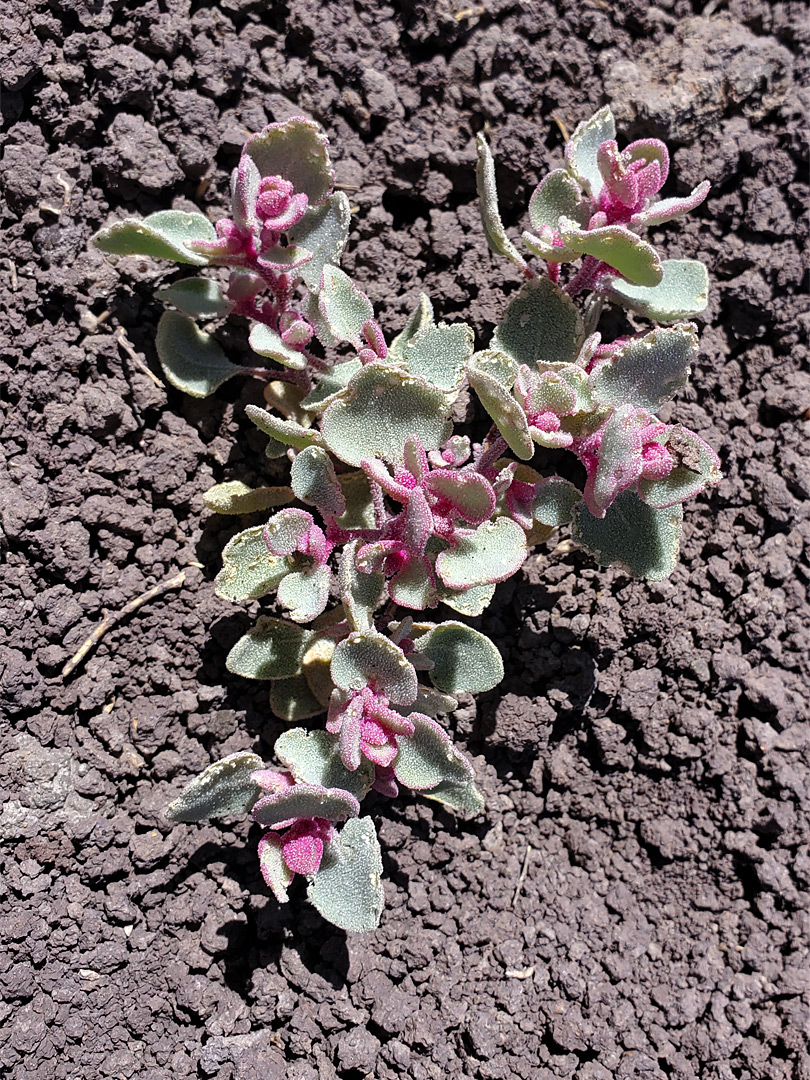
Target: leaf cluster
(390, 514)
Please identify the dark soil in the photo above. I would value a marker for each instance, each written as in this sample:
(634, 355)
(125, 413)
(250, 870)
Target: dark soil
(646, 759)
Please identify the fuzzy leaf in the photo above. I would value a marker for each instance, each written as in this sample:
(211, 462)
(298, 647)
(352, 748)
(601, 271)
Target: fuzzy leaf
(581, 149)
(198, 297)
(267, 342)
(558, 195)
(273, 649)
(313, 757)
(306, 801)
(161, 236)
(667, 209)
(682, 292)
(413, 587)
(284, 431)
(305, 593)
(285, 530)
(323, 230)
(642, 540)
(344, 307)
(297, 151)
(419, 320)
(428, 757)
(347, 890)
(192, 360)
(439, 354)
(225, 787)
(277, 875)
(648, 371)
(316, 667)
(464, 799)
(381, 407)
(292, 700)
(505, 412)
(544, 247)
(494, 552)
(249, 571)
(470, 602)
(464, 661)
(314, 482)
(359, 512)
(495, 233)
(361, 593)
(234, 497)
(617, 246)
(698, 468)
(469, 495)
(541, 326)
(367, 658)
(554, 501)
(332, 383)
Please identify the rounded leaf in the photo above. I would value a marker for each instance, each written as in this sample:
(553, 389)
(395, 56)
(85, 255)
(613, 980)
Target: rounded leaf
(234, 497)
(344, 307)
(161, 236)
(380, 408)
(557, 195)
(642, 540)
(267, 342)
(314, 482)
(617, 246)
(198, 297)
(439, 354)
(305, 593)
(296, 150)
(464, 661)
(225, 787)
(581, 150)
(505, 412)
(367, 658)
(313, 757)
(292, 700)
(542, 325)
(305, 801)
(648, 371)
(249, 571)
(682, 292)
(347, 890)
(494, 552)
(554, 501)
(192, 360)
(428, 757)
(323, 231)
(273, 649)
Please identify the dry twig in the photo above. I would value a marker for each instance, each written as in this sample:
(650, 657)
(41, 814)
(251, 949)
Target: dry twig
(522, 877)
(113, 617)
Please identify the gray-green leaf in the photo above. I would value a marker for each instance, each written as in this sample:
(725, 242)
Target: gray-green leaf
(368, 658)
(495, 233)
(313, 757)
(542, 325)
(225, 787)
(648, 371)
(162, 236)
(641, 539)
(496, 550)
(347, 890)
(682, 292)
(380, 408)
(323, 230)
(249, 571)
(273, 649)
(192, 360)
(199, 297)
(464, 660)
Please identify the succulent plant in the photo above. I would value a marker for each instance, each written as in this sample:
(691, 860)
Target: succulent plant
(388, 509)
